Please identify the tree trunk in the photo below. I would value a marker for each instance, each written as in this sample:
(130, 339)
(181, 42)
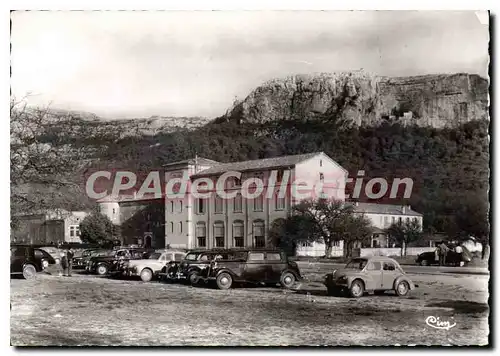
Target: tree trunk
(328, 250)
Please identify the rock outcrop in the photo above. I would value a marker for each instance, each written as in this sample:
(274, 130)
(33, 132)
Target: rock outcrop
(436, 100)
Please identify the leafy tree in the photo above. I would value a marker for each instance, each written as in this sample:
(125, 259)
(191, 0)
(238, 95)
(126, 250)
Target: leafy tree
(97, 228)
(405, 233)
(325, 220)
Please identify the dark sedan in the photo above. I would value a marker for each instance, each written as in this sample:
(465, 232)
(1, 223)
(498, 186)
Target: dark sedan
(452, 259)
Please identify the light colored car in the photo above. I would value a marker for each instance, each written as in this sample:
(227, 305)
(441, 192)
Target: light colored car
(148, 268)
(370, 274)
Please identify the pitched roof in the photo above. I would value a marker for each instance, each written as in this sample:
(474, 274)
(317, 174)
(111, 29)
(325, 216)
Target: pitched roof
(373, 208)
(192, 161)
(257, 164)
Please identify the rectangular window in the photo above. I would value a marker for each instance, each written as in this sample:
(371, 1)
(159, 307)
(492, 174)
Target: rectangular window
(219, 234)
(202, 241)
(279, 176)
(258, 203)
(180, 206)
(218, 204)
(238, 233)
(321, 177)
(256, 256)
(238, 203)
(71, 231)
(239, 241)
(219, 241)
(273, 256)
(180, 227)
(260, 241)
(280, 202)
(201, 206)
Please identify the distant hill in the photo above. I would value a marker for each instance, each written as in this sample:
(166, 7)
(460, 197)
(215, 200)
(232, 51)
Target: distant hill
(442, 100)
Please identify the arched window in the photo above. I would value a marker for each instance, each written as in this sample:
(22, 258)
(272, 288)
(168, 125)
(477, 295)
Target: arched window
(180, 206)
(180, 227)
(172, 206)
(238, 233)
(171, 227)
(259, 235)
(201, 234)
(219, 234)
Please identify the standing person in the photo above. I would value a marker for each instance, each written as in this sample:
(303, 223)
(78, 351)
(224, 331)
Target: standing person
(443, 251)
(69, 258)
(64, 263)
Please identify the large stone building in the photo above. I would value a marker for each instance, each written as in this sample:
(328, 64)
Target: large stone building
(191, 212)
(243, 221)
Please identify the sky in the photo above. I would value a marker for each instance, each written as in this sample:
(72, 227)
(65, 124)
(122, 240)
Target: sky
(194, 63)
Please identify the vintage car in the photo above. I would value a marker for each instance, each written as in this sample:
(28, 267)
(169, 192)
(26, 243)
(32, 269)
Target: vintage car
(194, 264)
(256, 266)
(452, 258)
(149, 268)
(26, 260)
(101, 265)
(80, 261)
(370, 274)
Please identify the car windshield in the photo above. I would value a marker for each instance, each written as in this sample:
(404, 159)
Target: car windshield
(358, 263)
(191, 256)
(154, 256)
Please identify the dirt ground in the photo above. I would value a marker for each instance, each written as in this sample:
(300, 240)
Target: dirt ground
(88, 310)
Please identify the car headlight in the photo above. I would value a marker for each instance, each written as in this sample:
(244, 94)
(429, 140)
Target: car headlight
(45, 264)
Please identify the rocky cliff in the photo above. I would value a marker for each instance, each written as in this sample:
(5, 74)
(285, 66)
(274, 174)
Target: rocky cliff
(436, 100)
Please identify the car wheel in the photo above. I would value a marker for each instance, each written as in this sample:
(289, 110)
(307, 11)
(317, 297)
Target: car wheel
(102, 270)
(357, 289)
(424, 263)
(287, 280)
(402, 289)
(146, 275)
(194, 278)
(224, 281)
(29, 272)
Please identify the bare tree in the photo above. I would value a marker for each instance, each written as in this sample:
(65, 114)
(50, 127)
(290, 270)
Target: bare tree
(43, 162)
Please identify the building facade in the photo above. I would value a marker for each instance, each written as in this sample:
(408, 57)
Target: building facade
(192, 213)
(240, 220)
(53, 227)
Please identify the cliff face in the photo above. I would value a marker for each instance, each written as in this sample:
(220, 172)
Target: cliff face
(436, 100)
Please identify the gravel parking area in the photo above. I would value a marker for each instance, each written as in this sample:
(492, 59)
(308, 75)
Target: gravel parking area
(88, 310)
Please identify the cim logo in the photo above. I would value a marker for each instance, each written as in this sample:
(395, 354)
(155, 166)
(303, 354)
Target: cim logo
(437, 323)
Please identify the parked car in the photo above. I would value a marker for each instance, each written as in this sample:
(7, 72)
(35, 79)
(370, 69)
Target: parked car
(194, 264)
(26, 260)
(257, 266)
(150, 267)
(371, 274)
(452, 259)
(79, 262)
(101, 265)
